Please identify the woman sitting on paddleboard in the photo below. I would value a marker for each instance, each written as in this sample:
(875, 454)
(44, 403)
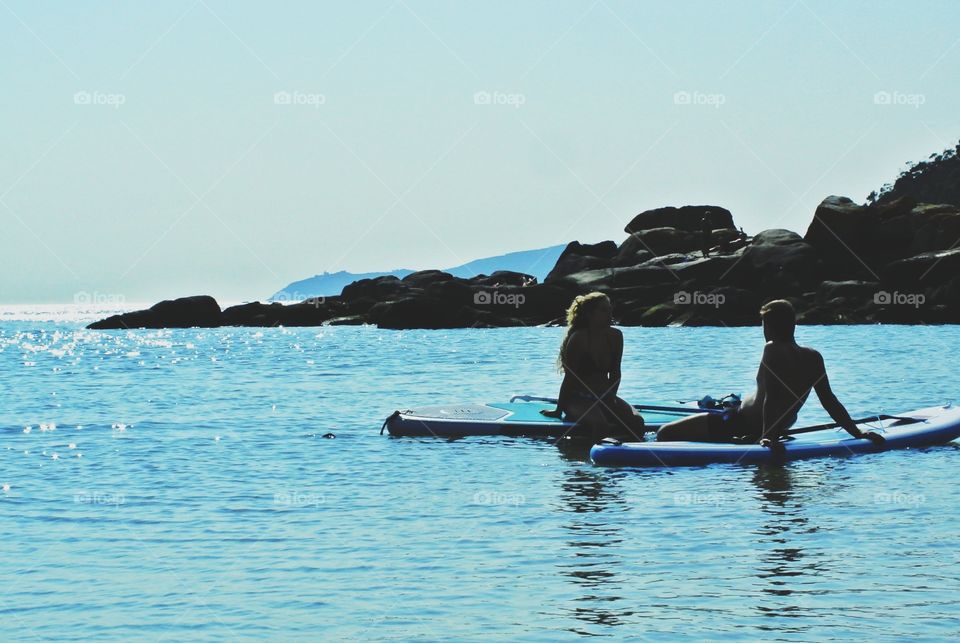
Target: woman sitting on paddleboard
(590, 360)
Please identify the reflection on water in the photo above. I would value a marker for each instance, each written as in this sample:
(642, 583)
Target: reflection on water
(592, 561)
(782, 563)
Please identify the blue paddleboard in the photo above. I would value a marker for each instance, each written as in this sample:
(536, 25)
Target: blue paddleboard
(920, 428)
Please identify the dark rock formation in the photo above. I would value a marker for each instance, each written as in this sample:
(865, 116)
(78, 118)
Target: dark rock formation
(778, 262)
(420, 312)
(577, 257)
(661, 241)
(926, 268)
(858, 241)
(201, 311)
(891, 261)
(688, 217)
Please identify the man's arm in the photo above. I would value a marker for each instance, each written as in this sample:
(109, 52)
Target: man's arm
(832, 405)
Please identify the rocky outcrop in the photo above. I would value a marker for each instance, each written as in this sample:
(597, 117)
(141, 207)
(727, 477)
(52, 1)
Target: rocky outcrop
(201, 311)
(426, 299)
(688, 217)
(858, 241)
(892, 261)
(577, 257)
(310, 312)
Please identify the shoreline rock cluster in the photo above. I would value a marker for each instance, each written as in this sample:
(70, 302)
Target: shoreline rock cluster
(890, 261)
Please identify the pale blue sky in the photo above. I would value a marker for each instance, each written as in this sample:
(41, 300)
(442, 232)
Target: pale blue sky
(200, 182)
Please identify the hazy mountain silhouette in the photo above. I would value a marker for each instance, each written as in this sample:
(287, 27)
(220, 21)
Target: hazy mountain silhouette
(532, 262)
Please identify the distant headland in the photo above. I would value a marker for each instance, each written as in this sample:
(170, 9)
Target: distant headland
(893, 259)
(536, 263)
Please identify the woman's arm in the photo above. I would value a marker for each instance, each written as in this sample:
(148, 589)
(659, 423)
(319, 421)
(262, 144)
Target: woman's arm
(615, 361)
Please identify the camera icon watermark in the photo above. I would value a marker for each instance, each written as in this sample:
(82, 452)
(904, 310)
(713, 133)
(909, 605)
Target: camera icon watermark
(884, 298)
(899, 498)
(298, 499)
(310, 99)
(706, 99)
(84, 298)
(492, 497)
(514, 100)
(697, 298)
(99, 498)
(84, 97)
(294, 297)
(496, 298)
(689, 499)
(899, 98)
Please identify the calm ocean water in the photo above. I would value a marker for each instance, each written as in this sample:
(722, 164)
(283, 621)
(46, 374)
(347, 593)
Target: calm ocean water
(175, 485)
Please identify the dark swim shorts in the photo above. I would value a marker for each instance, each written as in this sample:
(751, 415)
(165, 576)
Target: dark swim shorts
(730, 426)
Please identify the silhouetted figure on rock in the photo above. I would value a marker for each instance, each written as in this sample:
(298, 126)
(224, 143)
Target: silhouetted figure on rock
(706, 234)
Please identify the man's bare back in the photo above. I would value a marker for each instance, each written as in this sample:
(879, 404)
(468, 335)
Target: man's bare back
(787, 374)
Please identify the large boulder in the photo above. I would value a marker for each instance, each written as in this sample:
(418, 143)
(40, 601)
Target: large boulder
(423, 278)
(659, 241)
(378, 288)
(544, 303)
(688, 217)
(253, 313)
(310, 312)
(777, 263)
(504, 278)
(631, 252)
(200, 311)
(528, 305)
(577, 257)
(605, 279)
(924, 270)
(702, 271)
(858, 241)
(420, 312)
(585, 280)
(362, 295)
(936, 228)
(777, 237)
(458, 291)
(667, 260)
(851, 239)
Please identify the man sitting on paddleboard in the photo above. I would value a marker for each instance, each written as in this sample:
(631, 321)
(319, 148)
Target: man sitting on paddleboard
(788, 372)
(590, 358)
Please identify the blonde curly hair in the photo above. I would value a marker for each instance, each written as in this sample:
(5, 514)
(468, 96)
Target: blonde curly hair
(578, 315)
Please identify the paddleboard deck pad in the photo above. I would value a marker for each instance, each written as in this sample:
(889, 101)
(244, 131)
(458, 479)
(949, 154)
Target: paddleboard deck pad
(920, 428)
(506, 418)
